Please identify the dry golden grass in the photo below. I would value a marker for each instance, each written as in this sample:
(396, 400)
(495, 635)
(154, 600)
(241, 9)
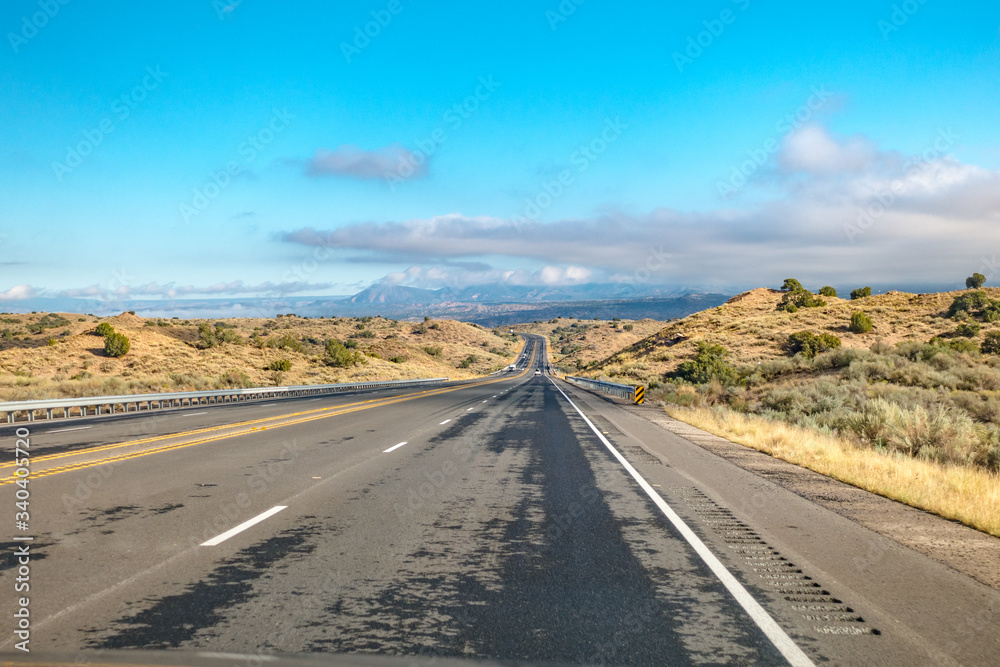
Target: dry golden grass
(595, 339)
(164, 358)
(751, 328)
(964, 494)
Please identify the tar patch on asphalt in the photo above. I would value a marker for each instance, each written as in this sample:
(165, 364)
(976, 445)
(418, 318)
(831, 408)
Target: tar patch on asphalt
(175, 619)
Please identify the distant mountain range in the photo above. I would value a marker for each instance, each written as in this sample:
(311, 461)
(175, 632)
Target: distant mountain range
(489, 305)
(502, 293)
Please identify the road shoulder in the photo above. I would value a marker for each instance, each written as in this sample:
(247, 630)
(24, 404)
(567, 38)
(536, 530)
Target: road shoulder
(961, 548)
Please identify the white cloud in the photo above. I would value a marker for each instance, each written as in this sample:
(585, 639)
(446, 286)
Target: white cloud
(173, 291)
(929, 218)
(353, 162)
(18, 293)
(813, 150)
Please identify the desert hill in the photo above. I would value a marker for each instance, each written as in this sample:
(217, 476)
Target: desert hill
(753, 330)
(51, 355)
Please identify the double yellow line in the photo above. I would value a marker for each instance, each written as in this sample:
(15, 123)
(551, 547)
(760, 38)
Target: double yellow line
(245, 428)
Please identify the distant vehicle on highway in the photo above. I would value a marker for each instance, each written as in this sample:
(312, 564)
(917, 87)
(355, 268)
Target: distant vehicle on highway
(537, 372)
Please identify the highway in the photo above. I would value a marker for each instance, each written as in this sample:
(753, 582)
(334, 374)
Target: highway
(513, 518)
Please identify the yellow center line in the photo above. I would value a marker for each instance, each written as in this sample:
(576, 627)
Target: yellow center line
(336, 411)
(208, 429)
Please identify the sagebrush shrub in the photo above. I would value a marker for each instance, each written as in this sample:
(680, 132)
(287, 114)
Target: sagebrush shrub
(116, 344)
(709, 363)
(967, 330)
(828, 291)
(338, 356)
(861, 293)
(809, 344)
(860, 322)
(796, 299)
(280, 365)
(991, 343)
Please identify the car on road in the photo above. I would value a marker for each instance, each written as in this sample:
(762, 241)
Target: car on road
(537, 372)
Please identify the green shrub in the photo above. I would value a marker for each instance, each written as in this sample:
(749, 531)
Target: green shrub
(338, 356)
(351, 344)
(210, 336)
(285, 341)
(468, 361)
(972, 303)
(104, 329)
(709, 363)
(861, 293)
(991, 343)
(809, 344)
(52, 342)
(233, 379)
(792, 301)
(975, 281)
(280, 365)
(963, 345)
(628, 327)
(793, 285)
(420, 329)
(398, 359)
(364, 334)
(828, 291)
(116, 345)
(967, 330)
(860, 322)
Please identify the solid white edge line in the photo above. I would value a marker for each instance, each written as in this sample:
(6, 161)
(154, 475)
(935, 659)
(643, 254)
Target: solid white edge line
(788, 648)
(192, 414)
(75, 428)
(394, 447)
(243, 526)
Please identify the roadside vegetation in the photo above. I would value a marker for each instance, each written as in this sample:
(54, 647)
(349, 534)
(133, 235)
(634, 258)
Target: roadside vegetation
(48, 355)
(898, 393)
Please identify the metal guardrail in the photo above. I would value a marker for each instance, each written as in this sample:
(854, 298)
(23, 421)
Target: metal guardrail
(96, 404)
(634, 393)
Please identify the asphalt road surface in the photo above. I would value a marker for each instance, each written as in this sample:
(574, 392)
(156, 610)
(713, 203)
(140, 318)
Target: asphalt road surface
(515, 518)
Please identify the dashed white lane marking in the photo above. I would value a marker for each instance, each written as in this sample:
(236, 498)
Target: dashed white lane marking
(444, 422)
(788, 648)
(470, 409)
(266, 405)
(243, 526)
(393, 448)
(192, 414)
(486, 400)
(75, 428)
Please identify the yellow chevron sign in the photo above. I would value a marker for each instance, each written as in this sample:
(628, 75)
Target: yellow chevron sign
(639, 392)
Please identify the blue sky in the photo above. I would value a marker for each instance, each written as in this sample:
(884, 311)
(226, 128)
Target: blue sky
(566, 143)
